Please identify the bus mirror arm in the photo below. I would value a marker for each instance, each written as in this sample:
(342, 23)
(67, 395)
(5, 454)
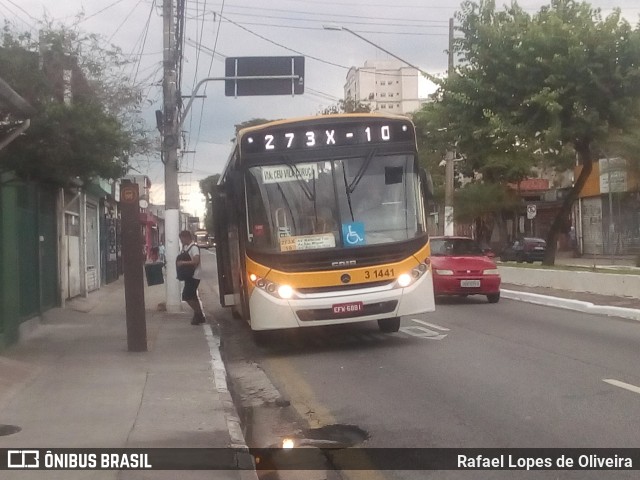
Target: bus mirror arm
(236, 181)
(427, 185)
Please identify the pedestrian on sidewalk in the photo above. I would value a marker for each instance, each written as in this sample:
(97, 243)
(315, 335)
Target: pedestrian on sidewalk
(190, 290)
(161, 252)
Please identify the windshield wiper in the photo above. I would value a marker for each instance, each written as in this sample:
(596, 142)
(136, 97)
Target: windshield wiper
(303, 184)
(346, 189)
(365, 165)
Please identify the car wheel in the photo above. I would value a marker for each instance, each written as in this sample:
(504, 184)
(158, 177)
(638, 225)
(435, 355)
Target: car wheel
(493, 297)
(519, 258)
(389, 325)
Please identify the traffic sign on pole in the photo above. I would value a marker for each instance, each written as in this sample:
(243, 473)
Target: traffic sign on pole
(287, 76)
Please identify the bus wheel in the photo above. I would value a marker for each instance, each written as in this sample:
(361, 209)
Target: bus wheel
(389, 325)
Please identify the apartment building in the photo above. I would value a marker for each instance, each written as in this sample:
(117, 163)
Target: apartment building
(387, 86)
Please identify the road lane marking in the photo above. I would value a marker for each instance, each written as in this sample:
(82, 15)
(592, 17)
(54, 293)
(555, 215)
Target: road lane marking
(432, 325)
(618, 383)
(422, 332)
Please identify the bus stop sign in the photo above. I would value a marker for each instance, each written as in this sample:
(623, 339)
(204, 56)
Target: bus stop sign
(288, 73)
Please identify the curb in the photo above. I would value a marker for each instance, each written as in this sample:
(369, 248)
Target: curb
(230, 413)
(570, 304)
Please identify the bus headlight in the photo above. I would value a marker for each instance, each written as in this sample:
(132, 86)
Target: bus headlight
(280, 291)
(285, 292)
(405, 280)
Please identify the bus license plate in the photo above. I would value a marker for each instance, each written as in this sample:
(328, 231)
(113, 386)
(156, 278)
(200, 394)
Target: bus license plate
(344, 308)
(470, 283)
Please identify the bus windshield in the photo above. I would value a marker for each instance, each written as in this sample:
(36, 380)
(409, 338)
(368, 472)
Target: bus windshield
(334, 203)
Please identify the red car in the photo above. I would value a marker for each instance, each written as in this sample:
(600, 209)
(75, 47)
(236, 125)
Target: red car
(461, 267)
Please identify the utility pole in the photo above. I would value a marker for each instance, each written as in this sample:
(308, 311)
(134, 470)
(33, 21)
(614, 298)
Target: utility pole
(449, 159)
(170, 141)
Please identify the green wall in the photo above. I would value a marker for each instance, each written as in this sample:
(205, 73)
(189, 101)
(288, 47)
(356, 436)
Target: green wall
(28, 254)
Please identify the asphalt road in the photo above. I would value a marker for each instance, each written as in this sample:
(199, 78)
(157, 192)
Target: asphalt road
(471, 374)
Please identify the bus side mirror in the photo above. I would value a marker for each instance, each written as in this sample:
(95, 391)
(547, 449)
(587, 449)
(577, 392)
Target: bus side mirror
(427, 185)
(235, 181)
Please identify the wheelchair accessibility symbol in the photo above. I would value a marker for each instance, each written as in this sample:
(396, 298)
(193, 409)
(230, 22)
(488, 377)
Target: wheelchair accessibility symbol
(353, 234)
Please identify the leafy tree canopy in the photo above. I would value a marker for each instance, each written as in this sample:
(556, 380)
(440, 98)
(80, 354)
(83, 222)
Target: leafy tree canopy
(541, 89)
(96, 130)
(208, 187)
(251, 123)
(346, 106)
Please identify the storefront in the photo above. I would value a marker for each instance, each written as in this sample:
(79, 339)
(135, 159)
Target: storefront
(609, 210)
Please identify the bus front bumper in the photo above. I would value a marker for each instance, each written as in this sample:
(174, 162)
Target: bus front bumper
(269, 313)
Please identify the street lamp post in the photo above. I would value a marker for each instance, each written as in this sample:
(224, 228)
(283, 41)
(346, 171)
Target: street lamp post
(341, 28)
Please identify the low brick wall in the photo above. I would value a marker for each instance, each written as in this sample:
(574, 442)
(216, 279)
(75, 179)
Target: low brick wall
(602, 283)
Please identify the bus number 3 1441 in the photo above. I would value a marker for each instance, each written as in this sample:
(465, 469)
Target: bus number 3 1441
(379, 273)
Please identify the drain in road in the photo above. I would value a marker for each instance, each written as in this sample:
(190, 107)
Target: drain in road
(337, 435)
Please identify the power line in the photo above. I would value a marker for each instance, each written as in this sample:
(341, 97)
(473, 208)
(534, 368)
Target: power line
(31, 27)
(125, 20)
(341, 17)
(322, 3)
(103, 10)
(215, 46)
(144, 41)
(24, 11)
(378, 32)
(283, 46)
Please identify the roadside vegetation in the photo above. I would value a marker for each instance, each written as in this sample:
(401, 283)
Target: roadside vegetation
(86, 126)
(532, 91)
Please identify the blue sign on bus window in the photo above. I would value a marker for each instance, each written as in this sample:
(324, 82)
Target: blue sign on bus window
(353, 234)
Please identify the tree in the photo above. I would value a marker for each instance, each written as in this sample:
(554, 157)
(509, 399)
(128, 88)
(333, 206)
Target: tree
(483, 203)
(97, 132)
(442, 126)
(208, 187)
(346, 106)
(251, 123)
(549, 87)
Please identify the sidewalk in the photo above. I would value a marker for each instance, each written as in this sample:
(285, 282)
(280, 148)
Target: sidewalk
(593, 303)
(72, 383)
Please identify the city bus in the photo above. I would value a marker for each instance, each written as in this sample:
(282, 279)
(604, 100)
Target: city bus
(322, 221)
(202, 238)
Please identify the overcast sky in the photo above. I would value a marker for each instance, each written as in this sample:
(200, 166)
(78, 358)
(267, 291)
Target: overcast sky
(415, 30)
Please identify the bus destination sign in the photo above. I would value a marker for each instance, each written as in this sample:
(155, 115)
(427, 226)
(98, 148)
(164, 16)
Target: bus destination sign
(309, 137)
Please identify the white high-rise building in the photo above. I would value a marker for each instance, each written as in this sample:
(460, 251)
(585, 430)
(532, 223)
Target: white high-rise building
(387, 86)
